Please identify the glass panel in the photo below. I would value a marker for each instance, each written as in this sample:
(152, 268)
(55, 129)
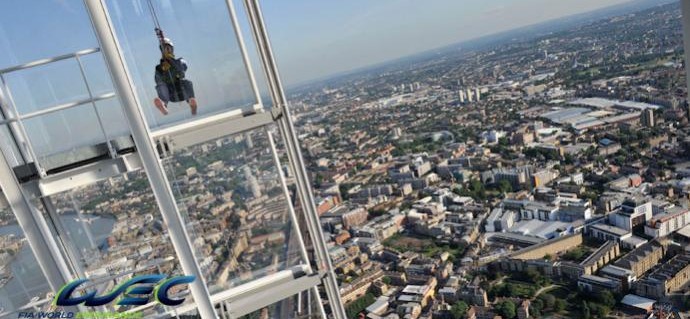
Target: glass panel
(38, 29)
(47, 85)
(97, 74)
(64, 131)
(302, 307)
(21, 279)
(114, 121)
(9, 147)
(202, 33)
(237, 213)
(114, 231)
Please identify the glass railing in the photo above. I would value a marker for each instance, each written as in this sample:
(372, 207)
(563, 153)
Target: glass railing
(60, 105)
(112, 231)
(236, 210)
(295, 307)
(22, 284)
(203, 36)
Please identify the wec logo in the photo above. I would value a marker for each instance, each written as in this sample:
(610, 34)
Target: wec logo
(135, 292)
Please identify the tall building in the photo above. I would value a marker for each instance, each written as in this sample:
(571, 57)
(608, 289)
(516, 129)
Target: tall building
(461, 97)
(648, 118)
(252, 182)
(469, 95)
(477, 94)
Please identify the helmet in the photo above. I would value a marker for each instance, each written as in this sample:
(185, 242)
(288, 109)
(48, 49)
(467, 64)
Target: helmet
(166, 41)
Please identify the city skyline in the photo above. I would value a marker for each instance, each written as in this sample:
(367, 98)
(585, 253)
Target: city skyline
(351, 35)
(536, 173)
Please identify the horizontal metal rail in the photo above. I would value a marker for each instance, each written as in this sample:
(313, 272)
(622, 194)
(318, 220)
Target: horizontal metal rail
(59, 107)
(40, 62)
(272, 288)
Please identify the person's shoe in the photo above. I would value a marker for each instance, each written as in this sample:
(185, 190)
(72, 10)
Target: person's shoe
(160, 106)
(192, 105)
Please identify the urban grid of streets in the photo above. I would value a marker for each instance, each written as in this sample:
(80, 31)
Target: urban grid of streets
(536, 176)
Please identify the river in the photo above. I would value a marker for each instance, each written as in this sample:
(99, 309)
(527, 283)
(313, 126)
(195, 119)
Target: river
(28, 280)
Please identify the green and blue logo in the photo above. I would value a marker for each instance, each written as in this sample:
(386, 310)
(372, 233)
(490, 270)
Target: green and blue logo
(133, 292)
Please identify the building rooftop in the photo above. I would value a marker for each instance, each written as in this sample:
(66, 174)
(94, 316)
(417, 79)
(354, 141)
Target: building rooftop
(613, 230)
(615, 271)
(600, 252)
(638, 302)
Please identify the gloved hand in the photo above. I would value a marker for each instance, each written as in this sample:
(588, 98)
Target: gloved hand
(165, 66)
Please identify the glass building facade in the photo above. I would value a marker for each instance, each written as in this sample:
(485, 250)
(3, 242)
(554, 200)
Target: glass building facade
(98, 184)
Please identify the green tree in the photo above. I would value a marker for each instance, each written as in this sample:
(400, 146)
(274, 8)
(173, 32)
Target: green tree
(559, 305)
(386, 280)
(510, 290)
(549, 300)
(607, 299)
(459, 309)
(507, 309)
(586, 312)
(505, 187)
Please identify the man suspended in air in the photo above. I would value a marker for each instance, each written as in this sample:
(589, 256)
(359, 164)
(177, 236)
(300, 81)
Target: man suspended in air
(171, 84)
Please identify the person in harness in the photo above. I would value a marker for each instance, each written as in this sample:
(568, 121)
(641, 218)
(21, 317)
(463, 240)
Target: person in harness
(171, 84)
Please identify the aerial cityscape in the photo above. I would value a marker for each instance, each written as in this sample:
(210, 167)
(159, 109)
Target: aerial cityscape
(544, 174)
(538, 178)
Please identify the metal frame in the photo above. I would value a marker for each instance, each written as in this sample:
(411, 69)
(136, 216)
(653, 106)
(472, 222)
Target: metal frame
(256, 294)
(52, 263)
(295, 156)
(155, 171)
(151, 145)
(15, 119)
(293, 217)
(209, 128)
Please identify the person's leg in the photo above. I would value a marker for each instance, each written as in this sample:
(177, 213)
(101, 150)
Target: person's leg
(161, 102)
(188, 88)
(192, 105)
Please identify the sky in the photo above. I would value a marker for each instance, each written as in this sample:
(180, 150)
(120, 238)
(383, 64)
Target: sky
(316, 38)
(311, 39)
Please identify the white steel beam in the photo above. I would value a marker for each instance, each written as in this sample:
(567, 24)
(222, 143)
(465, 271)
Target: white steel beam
(295, 156)
(45, 249)
(150, 160)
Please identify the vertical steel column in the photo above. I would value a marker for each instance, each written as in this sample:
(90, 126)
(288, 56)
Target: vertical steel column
(149, 157)
(295, 156)
(13, 131)
(44, 247)
(685, 10)
(243, 50)
(26, 148)
(295, 223)
(111, 149)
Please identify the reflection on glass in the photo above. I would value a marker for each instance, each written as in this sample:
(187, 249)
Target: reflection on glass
(10, 150)
(27, 35)
(115, 230)
(230, 193)
(21, 279)
(58, 83)
(201, 33)
(64, 131)
(97, 74)
(294, 307)
(41, 87)
(114, 121)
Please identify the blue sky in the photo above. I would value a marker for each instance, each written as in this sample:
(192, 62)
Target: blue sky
(315, 38)
(311, 39)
